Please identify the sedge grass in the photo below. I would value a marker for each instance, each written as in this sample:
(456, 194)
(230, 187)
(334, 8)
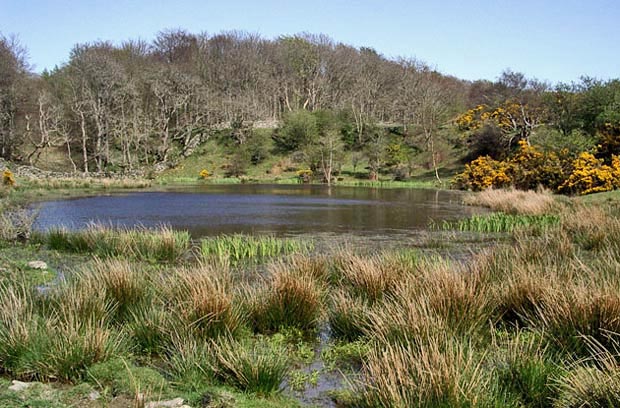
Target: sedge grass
(286, 299)
(436, 372)
(203, 300)
(259, 367)
(526, 371)
(593, 381)
(347, 316)
(160, 245)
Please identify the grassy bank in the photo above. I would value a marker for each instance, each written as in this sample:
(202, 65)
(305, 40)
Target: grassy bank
(234, 320)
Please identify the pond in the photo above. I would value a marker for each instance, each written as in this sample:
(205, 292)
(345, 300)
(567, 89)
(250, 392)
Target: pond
(266, 209)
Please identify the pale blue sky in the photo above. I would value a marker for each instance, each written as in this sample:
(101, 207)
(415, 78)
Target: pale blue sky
(550, 40)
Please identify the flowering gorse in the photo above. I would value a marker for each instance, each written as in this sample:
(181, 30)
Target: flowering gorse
(529, 168)
(8, 179)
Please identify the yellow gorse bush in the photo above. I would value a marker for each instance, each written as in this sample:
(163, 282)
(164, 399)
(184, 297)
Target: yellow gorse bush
(529, 168)
(204, 173)
(8, 179)
(304, 175)
(590, 175)
(482, 173)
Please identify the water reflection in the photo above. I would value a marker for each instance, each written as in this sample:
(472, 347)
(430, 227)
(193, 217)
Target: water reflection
(279, 209)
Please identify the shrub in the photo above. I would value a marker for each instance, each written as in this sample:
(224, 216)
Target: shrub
(8, 179)
(304, 175)
(482, 173)
(590, 175)
(204, 174)
(530, 168)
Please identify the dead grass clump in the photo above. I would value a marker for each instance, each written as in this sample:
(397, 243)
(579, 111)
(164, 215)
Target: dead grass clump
(592, 228)
(513, 201)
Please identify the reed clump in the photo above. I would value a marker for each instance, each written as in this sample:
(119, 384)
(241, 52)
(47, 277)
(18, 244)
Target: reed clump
(240, 247)
(259, 367)
(159, 245)
(56, 183)
(435, 372)
(348, 315)
(285, 299)
(501, 222)
(202, 300)
(366, 276)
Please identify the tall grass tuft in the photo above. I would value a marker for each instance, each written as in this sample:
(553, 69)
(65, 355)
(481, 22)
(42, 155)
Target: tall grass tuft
(239, 247)
(525, 370)
(189, 362)
(286, 299)
(592, 381)
(124, 284)
(18, 328)
(366, 276)
(438, 371)
(572, 315)
(38, 342)
(159, 245)
(347, 316)
(259, 367)
(202, 299)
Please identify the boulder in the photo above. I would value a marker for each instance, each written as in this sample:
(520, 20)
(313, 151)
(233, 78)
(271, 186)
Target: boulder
(37, 265)
(19, 386)
(173, 403)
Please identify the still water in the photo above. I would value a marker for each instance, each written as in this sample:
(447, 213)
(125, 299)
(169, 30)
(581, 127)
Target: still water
(274, 209)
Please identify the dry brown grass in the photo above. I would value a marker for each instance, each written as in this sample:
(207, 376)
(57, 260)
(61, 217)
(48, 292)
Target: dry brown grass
(367, 276)
(514, 201)
(436, 372)
(593, 381)
(285, 299)
(203, 299)
(571, 314)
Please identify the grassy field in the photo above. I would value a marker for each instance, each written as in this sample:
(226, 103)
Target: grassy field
(244, 321)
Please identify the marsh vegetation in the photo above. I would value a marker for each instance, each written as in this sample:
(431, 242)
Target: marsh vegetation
(257, 321)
